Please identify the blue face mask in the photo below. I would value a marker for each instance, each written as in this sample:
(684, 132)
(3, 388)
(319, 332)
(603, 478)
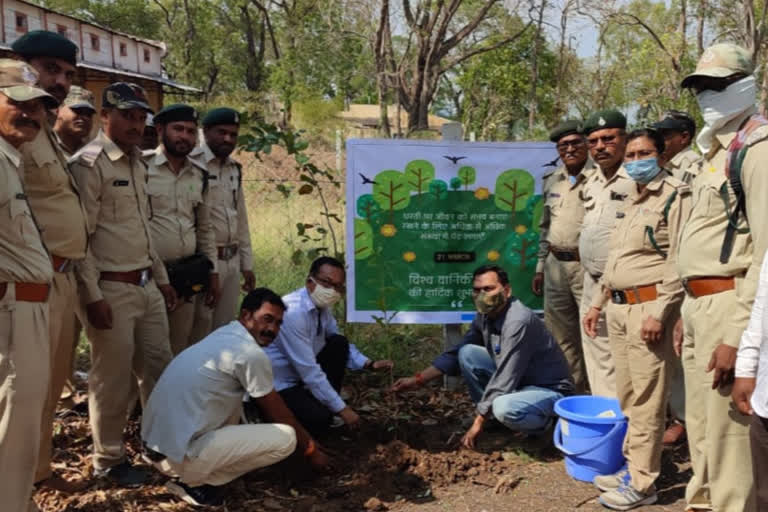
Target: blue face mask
(643, 171)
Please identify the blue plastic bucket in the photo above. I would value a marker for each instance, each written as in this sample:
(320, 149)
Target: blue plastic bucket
(591, 443)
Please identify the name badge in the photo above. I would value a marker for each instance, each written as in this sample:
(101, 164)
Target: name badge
(212, 177)
(120, 183)
(617, 197)
(554, 194)
(21, 196)
(619, 215)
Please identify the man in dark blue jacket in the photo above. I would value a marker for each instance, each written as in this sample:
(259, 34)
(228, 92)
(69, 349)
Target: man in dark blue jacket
(512, 365)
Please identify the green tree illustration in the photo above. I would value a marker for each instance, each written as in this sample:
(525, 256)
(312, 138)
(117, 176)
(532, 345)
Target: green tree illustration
(438, 189)
(467, 175)
(391, 192)
(536, 208)
(418, 174)
(521, 247)
(513, 188)
(363, 239)
(455, 183)
(367, 207)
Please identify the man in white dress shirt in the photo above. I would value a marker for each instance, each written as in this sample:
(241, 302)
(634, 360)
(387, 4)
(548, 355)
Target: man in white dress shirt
(310, 357)
(750, 388)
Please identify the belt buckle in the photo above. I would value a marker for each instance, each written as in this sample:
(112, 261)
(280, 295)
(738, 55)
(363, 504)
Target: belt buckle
(618, 297)
(144, 277)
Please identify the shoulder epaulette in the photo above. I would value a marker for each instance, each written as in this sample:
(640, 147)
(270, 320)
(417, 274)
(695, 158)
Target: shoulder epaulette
(758, 134)
(87, 155)
(547, 175)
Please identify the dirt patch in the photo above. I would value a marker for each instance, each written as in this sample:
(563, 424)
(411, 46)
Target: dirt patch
(405, 457)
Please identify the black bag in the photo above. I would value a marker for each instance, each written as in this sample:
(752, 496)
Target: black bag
(189, 276)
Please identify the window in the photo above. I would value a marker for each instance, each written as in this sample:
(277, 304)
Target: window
(21, 22)
(147, 55)
(95, 42)
(123, 50)
(61, 29)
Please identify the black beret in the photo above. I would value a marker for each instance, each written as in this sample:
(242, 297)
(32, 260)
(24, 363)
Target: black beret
(174, 113)
(603, 119)
(43, 43)
(221, 115)
(568, 127)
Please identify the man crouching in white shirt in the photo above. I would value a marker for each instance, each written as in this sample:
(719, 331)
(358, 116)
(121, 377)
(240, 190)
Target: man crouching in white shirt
(310, 357)
(190, 428)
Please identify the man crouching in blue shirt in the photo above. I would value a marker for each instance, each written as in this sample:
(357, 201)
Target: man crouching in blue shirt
(512, 365)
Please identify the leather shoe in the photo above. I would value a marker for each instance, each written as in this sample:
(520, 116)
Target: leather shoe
(674, 434)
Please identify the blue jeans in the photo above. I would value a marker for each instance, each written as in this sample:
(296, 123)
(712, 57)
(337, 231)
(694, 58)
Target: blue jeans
(529, 409)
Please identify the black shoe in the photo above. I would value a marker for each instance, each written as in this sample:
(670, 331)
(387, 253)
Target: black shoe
(125, 475)
(201, 496)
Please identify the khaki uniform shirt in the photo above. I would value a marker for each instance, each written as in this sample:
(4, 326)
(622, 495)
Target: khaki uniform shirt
(563, 211)
(603, 200)
(23, 256)
(703, 234)
(684, 165)
(114, 191)
(634, 260)
(228, 210)
(179, 212)
(54, 196)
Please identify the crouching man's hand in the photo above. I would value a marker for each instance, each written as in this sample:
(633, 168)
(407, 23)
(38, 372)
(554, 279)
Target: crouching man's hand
(468, 441)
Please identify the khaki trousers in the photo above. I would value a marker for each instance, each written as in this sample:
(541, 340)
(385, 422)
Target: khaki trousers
(24, 375)
(677, 390)
(597, 351)
(181, 322)
(643, 373)
(63, 301)
(718, 435)
(220, 456)
(563, 283)
(136, 345)
(207, 319)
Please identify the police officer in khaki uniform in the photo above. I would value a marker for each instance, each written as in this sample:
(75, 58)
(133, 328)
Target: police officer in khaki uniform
(74, 120)
(605, 196)
(124, 284)
(229, 215)
(643, 293)
(558, 269)
(55, 201)
(179, 210)
(25, 276)
(719, 261)
(678, 130)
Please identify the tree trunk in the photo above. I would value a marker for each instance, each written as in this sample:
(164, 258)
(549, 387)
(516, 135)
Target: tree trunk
(702, 18)
(535, 68)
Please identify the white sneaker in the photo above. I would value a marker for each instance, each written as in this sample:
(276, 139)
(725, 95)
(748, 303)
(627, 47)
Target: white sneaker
(610, 482)
(627, 497)
(337, 422)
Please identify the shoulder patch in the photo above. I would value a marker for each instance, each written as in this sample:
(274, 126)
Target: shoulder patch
(87, 155)
(760, 133)
(548, 175)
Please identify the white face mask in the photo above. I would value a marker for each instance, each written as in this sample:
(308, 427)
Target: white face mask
(720, 107)
(324, 297)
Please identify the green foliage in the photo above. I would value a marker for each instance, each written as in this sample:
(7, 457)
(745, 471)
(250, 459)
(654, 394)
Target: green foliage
(367, 207)
(455, 183)
(535, 208)
(513, 188)
(438, 189)
(391, 191)
(522, 247)
(467, 175)
(418, 174)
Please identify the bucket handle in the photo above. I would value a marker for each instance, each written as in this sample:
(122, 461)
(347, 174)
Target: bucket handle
(558, 440)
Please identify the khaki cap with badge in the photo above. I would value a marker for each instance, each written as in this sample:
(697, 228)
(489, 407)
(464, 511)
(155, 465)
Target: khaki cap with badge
(721, 61)
(18, 81)
(79, 97)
